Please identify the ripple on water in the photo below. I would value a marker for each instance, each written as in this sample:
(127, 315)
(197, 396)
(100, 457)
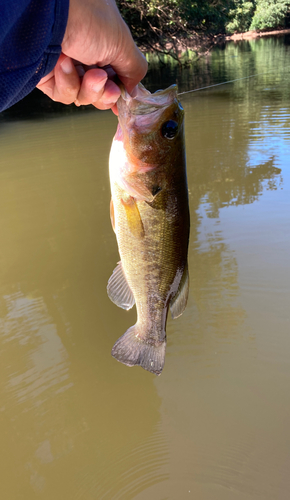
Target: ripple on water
(125, 473)
(29, 336)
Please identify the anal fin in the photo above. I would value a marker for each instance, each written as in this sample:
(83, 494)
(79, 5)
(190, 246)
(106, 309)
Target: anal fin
(118, 289)
(179, 301)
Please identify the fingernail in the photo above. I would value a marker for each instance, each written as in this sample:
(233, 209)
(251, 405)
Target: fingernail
(67, 66)
(77, 103)
(96, 87)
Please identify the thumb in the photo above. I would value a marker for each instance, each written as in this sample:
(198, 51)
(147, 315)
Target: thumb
(130, 64)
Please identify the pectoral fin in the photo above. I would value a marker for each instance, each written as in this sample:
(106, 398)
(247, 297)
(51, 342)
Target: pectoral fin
(112, 214)
(118, 289)
(179, 301)
(136, 188)
(133, 216)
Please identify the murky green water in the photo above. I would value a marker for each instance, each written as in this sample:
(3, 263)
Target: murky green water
(75, 424)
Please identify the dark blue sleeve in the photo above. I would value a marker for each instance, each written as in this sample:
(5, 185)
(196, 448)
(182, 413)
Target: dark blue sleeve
(31, 33)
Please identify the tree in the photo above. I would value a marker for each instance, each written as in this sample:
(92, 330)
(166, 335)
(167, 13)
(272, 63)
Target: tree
(240, 16)
(270, 14)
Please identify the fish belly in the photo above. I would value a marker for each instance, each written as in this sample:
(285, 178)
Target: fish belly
(153, 261)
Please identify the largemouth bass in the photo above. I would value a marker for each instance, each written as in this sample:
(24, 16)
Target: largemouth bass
(150, 216)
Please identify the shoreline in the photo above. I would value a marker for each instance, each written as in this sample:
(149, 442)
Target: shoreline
(249, 35)
(202, 45)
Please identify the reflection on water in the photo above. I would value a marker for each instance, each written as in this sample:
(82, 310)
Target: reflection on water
(76, 424)
(27, 325)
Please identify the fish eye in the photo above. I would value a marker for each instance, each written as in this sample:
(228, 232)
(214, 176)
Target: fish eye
(169, 129)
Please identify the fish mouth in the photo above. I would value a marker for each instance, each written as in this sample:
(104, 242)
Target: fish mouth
(142, 102)
(142, 110)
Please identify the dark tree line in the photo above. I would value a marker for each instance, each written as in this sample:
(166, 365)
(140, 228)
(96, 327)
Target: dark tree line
(155, 23)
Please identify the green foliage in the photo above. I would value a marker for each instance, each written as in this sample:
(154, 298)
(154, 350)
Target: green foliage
(206, 16)
(167, 26)
(155, 17)
(148, 20)
(240, 16)
(270, 14)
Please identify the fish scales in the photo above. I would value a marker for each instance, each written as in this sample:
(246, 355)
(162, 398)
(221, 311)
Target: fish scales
(150, 216)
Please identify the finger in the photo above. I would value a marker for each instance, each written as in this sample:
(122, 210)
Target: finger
(47, 84)
(110, 72)
(115, 110)
(92, 86)
(67, 81)
(130, 64)
(96, 89)
(109, 97)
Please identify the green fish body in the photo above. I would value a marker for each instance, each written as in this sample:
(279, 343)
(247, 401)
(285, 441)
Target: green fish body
(150, 216)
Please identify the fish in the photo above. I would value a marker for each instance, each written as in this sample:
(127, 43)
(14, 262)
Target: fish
(150, 216)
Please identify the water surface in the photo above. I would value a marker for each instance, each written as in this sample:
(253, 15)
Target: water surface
(75, 424)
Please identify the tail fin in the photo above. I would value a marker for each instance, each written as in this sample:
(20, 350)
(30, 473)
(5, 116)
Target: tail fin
(132, 350)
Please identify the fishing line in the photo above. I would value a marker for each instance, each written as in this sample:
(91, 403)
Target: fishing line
(223, 83)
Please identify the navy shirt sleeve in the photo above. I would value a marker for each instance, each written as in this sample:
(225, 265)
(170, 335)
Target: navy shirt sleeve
(31, 33)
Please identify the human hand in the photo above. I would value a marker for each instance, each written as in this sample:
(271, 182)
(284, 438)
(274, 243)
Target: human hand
(70, 82)
(97, 36)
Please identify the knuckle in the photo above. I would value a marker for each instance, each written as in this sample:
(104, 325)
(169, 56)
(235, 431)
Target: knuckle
(66, 94)
(71, 90)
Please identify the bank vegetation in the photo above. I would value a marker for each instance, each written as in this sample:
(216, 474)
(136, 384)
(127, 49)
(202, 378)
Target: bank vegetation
(174, 26)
